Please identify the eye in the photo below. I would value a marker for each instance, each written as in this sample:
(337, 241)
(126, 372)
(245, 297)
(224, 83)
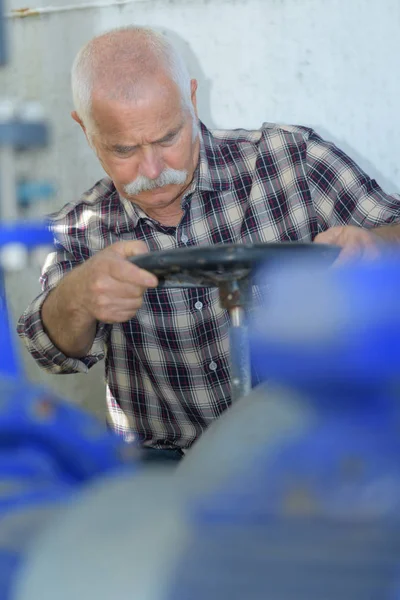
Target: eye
(170, 139)
(124, 151)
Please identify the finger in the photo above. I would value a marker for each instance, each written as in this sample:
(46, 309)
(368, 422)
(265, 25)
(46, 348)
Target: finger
(126, 291)
(118, 311)
(130, 248)
(127, 272)
(118, 282)
(348, 255)
(330, 236)
(113, 290)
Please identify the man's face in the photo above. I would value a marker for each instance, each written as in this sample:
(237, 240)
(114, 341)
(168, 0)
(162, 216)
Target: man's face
(147, 147)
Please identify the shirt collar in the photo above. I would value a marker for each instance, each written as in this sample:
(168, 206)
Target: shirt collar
(212, 172)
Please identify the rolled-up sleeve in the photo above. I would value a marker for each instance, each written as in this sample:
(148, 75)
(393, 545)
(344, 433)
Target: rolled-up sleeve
(342, 193)
(30, 326)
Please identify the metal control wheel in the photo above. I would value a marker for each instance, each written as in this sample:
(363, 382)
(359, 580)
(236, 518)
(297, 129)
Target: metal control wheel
(230, 268)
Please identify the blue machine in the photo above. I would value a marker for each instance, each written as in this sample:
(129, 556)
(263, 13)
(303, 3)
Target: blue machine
(49, 448)
(312, 508)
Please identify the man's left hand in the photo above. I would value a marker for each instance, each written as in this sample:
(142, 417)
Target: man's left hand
(356, 243)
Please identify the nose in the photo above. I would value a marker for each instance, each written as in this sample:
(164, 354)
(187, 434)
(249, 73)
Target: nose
(151, 164)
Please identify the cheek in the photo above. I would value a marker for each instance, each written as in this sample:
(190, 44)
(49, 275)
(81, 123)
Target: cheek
(120, 171)
(178, 157)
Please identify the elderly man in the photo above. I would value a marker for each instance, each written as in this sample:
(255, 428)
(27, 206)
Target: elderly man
(173, 183)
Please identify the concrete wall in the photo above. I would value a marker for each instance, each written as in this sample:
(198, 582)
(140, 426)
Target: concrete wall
(331, 64)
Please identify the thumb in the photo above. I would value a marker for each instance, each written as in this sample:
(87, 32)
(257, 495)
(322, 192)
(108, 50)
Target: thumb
(130, 248)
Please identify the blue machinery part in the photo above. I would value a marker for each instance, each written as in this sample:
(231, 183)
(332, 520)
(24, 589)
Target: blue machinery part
(49, 448)
(9, 364)
(28, 192)
(304, 484)
(30, 235)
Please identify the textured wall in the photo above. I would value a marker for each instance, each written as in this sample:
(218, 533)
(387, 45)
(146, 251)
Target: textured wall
(332, 64)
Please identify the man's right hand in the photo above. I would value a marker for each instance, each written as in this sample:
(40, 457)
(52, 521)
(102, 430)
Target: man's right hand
(108, 287)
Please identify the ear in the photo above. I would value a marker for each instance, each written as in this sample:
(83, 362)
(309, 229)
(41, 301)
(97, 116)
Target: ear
(76, 118)
(193, 93)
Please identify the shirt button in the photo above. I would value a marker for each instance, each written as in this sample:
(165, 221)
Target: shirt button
(213, 366)
(198, 305)
(184, 238)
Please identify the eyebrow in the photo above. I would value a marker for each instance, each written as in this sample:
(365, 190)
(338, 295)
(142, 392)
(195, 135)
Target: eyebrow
(165, 138)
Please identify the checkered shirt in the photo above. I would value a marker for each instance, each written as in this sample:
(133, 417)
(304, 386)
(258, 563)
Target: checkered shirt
(166, 369)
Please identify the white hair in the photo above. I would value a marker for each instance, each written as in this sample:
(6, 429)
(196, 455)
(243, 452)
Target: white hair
(86, 64)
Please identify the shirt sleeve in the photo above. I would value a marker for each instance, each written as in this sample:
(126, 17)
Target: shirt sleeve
(342, 193)
(30, 326)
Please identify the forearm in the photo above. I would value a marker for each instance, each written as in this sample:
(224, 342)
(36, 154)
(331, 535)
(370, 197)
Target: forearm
(70, 328)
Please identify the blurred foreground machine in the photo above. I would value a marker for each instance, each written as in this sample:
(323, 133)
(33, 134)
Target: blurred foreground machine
(294, 493)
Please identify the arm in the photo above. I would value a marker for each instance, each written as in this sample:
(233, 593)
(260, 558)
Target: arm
(106, 288)
(352, 210)
(66, 323)
(342, 193)
(37, 336)
(70, 318)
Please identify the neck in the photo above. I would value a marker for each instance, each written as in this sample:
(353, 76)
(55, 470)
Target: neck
(169, 216)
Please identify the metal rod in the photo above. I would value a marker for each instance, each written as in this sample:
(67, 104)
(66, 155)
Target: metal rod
(239, 354)
(237, 316)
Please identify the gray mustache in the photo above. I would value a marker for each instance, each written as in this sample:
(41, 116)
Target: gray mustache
(144, 184)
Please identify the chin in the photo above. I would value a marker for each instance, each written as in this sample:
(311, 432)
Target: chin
(167, 193)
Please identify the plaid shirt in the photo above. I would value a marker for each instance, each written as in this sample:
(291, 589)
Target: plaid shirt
(167, 369)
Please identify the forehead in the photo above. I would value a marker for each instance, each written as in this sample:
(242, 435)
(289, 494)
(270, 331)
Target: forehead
(156, 110)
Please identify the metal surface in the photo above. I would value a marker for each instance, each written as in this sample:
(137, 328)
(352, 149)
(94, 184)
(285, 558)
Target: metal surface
(239, 354)
(235, 292)
(237, 315)
(209, 266)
